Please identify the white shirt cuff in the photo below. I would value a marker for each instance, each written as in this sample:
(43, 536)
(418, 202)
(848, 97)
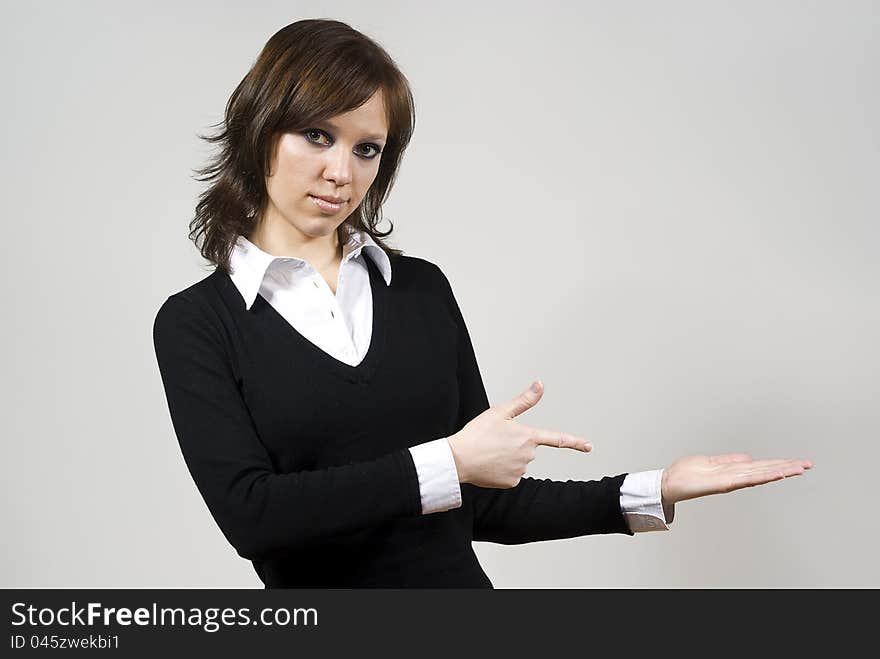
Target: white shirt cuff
(641, 504)
(438, 477)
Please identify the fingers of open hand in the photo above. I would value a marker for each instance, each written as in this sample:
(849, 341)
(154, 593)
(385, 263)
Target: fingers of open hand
(754, 465)
(767, 471)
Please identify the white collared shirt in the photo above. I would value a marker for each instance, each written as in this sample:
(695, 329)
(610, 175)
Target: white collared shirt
(341, 325)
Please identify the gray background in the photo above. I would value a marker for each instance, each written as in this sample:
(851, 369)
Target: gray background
(666, 211)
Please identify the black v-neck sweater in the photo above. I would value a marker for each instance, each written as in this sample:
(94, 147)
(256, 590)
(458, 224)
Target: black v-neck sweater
(303, 460)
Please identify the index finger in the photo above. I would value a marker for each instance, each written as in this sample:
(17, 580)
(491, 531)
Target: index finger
(559, 439)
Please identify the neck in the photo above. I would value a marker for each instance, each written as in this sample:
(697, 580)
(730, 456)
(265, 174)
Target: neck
(282, 239)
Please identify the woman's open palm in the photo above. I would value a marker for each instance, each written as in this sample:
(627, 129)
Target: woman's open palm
(700, 475)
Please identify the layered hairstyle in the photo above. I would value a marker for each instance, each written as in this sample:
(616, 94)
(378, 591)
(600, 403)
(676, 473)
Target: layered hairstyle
(307, 72)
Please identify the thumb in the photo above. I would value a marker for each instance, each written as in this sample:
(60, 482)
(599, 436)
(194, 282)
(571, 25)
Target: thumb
(525, 401)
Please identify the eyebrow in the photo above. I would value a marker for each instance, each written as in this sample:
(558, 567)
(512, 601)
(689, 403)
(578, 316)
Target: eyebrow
(377, 136)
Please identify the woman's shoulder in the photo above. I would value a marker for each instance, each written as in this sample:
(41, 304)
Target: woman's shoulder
(194, 301)
(416, 271)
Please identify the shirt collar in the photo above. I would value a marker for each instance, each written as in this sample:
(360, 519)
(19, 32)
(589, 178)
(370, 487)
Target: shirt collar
(248, 264)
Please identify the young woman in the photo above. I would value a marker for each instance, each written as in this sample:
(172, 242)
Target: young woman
(323, 387)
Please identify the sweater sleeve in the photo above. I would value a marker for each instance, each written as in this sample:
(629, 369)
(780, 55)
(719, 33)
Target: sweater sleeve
(263, 514)
(536, 509)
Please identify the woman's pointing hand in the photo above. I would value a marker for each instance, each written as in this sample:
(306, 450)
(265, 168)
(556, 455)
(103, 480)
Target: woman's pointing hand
(493, 450)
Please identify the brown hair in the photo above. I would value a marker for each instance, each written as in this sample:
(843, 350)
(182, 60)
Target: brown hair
(308, 71)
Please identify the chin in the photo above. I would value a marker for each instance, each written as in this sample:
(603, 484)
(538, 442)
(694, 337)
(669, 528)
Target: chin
(319, 228)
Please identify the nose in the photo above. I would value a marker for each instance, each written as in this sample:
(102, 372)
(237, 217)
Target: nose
(338, 166)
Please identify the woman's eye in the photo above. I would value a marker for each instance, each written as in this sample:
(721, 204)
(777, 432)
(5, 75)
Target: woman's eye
(310, 133)
(370, 150)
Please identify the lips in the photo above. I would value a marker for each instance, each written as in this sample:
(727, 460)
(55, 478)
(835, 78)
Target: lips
(328, 206)
(332, 200)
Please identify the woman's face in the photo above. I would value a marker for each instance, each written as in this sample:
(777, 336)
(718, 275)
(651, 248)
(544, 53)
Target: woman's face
(336, 158)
